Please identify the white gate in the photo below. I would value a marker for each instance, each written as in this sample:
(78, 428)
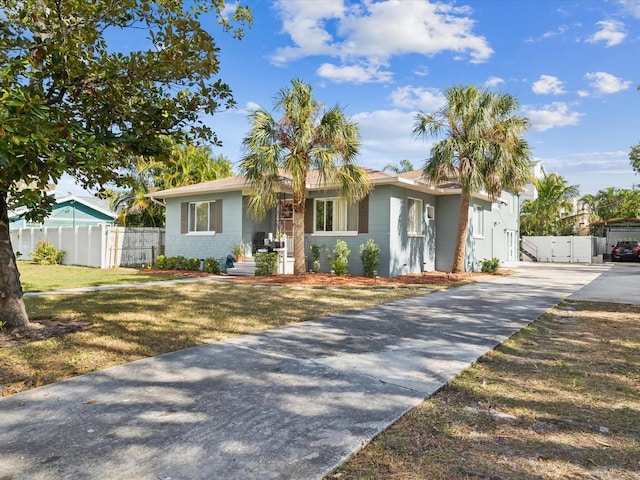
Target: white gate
(567, 249)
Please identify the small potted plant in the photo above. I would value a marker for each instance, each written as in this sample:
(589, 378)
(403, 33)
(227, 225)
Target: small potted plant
(238, 251)
(278, 239)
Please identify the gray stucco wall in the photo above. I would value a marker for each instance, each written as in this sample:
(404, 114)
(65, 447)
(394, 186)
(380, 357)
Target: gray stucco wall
(399, 253)
(498, 219)
(216, 245)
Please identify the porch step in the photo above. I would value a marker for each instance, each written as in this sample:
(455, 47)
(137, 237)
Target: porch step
(243, 269)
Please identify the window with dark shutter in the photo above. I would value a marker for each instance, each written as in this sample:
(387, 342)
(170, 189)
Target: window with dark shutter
(363, 215)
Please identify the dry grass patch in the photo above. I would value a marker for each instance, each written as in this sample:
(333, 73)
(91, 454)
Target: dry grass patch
(128, 324)
(560, 400)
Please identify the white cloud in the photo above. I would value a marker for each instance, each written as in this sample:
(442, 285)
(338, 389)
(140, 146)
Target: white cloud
(632, 6)
(493, 82)
(550, 116)
(606, 83)
(387, 138)
(412, 98)
(611, 32)
(583, 93)
(354, 74)
(371, 33)
(548, 85)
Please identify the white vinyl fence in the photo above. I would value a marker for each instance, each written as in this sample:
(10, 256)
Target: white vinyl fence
(94, 246)
(566, 249)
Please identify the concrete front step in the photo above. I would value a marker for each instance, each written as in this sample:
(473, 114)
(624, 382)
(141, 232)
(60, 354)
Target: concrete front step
(243, 269)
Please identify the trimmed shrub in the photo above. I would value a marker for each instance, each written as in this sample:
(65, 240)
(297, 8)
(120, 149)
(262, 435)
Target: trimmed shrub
(340, 259)
(266, 264)
(315, 257)
(370, 256)
(490, 265)
(211, 265)
(47, 253)
(177, 263)
(192, 264)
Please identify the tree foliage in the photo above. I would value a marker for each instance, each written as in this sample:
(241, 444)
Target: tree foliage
(74, 99)
(634, 158)
(403, 166)
(184, 165)
(552, 212)
(306, 137)
(612, 203)
(483, 149)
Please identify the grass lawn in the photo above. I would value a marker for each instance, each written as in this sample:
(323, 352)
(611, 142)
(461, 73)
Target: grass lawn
(559, 400)
(132, 323)
(42, 278)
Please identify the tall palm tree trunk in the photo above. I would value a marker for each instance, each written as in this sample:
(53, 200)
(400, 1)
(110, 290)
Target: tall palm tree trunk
(299, 264)
(14, 314)
(463, 231)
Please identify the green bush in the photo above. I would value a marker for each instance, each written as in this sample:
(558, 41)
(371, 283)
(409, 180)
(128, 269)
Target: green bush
(211, 265)
(161, 262)
(192, 264)
(315, 257)
(266, 264)
(47, 253)
(177, 263)
(490, 265)
(340, 259)
(370, 256)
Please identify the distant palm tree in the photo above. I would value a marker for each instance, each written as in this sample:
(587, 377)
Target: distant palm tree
(190, 164)
(134, 207)
(483, 149)
(551, 213)
(306, 137)
(403, 166)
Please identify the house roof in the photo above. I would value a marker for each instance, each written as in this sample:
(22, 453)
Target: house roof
(239, 182)
(95, 203)
(614, 221)
(413, 180)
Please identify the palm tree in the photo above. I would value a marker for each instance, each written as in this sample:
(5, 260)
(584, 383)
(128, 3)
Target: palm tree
(306, 137)
(191, 164)
(403, 166)
(549, 213)
(483, 149)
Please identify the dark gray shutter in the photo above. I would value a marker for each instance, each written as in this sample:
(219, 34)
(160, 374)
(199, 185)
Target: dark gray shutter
(308, 215)
(184, 217)
(363, 215)
(215, 216)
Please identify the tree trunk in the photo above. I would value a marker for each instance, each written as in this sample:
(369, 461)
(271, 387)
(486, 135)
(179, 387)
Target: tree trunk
(463, 231)
(299, 263)
(12, 310)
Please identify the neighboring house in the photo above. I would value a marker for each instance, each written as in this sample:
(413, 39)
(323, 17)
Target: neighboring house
(412, 221)
(69, 211)
(538, 172)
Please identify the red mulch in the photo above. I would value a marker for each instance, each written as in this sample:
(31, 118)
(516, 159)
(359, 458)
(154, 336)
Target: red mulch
(313, 279)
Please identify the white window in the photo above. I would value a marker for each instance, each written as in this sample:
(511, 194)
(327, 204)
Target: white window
(431, 212)
(478, 221)
(415, 216)
(335, 215)
(200, 214)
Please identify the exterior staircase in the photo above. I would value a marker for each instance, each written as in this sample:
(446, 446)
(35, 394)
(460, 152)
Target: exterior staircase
(246, 268)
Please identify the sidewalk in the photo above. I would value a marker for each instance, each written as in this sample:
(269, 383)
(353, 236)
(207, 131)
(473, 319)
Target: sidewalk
(289, 403)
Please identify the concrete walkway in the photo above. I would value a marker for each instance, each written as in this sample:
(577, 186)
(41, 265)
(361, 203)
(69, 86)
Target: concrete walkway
(289, 403)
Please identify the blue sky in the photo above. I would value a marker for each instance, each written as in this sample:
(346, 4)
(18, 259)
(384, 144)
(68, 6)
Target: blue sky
(572, 65)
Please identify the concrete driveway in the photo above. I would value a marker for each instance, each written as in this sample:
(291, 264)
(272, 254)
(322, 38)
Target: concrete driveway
(618, 284)
(289, 403)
